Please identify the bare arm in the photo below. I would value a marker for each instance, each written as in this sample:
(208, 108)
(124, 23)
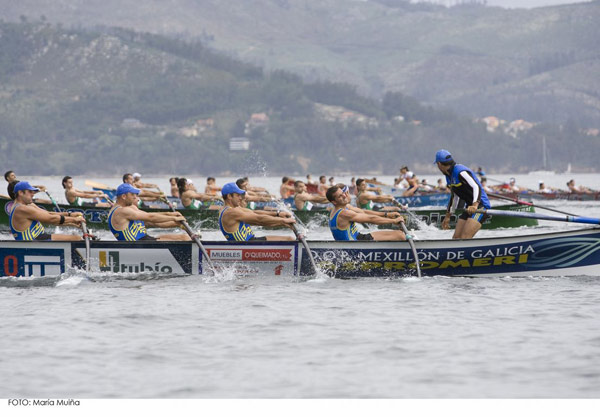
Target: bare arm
(353, 216)
(251, 217)
(34, 213)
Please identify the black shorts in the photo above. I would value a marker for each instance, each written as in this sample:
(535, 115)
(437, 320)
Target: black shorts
(147, 237)
(364, 236)
(44, 236)
(257, 238)
(480, 217)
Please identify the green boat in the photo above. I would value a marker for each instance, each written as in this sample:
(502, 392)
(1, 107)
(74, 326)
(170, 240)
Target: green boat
(208, 219)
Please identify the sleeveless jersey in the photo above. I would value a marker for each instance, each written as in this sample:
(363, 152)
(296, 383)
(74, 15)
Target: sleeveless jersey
(135, 230)
(242, 234)
(368, 206)
(34, 230)
(349, 233)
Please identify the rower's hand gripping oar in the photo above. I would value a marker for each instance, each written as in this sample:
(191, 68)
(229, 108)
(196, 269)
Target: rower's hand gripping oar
(194, 237)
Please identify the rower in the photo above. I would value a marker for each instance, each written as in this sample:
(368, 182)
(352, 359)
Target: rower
(128, 223)
(193, 200)
(10, 176)
(286, 190)
(303, 200)
(251, 197)
(211, 188)
(174, 189)
(343, 219)
(144, 195)
(235, 220)
(322, 186)
(26, 218)
(365, 199)
(75, 197)
(137, 182)
(411, 179)
(465, 186)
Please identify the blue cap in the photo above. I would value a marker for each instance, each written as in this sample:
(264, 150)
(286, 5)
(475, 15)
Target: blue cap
(24, 185)
(230, 188)
(127, 188)
(443, 156)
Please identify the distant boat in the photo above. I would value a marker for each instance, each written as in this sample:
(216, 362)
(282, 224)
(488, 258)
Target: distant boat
(544, 170)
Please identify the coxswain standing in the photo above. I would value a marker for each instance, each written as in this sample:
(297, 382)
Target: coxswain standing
(464, 185)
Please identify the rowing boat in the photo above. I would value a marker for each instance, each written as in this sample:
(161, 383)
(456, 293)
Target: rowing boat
(208, 219)
(564, 253)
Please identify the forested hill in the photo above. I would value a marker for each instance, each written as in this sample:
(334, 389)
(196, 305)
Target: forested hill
(539, 64)
(113, 100)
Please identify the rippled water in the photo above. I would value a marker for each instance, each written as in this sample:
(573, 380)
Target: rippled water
(273, 337)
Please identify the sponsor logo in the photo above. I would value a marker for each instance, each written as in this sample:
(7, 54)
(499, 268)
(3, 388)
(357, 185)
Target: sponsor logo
(23, 263)
(251, 255)
(136, 261)
(262, 255)
(225, 254)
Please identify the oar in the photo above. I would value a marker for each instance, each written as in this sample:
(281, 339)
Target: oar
(301, 238)
(409, 238)
(53, 201)
(299, 235)
(526, 203)
(95, 184)
(570, 219)
(86, 236)
(193, 236)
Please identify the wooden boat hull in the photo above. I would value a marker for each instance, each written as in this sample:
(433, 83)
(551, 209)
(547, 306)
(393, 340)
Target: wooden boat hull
(96, 217)
(570, 253)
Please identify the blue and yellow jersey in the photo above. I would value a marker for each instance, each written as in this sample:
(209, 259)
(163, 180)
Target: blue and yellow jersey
(34, 230)
(135, 230)
(350, 233)
(242, 234)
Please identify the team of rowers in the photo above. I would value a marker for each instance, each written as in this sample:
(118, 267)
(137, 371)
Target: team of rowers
(128, 222)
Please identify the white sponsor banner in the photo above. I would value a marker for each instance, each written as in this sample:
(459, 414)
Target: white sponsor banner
(248, 259)
(134, 260)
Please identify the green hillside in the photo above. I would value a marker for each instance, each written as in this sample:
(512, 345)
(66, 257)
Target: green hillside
(113, 100)
(516, 64)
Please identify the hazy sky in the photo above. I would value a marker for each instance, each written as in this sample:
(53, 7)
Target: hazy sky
(517, 3)
(530, 3)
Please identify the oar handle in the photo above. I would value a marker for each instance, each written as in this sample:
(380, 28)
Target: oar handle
(193, 236)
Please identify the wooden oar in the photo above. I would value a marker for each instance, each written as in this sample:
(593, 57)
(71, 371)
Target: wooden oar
(193, 236)
(95, 184)
(409, 238)
(526, 203)
(570, 219)
(301, 238)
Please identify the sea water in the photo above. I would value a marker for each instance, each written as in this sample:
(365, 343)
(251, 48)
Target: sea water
(143, 336)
